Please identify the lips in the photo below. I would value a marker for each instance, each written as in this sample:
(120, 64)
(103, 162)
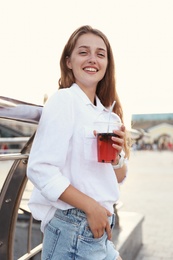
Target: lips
(91, 69)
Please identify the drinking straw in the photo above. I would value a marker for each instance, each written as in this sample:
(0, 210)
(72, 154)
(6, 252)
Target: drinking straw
(110, 111)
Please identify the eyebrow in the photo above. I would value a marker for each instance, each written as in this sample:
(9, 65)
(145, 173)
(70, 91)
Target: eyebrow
(87, 47)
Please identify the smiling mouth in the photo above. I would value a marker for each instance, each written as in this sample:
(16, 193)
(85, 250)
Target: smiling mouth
(91, 69)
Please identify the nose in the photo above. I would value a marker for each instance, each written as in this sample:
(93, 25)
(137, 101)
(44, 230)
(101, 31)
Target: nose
(92, 59)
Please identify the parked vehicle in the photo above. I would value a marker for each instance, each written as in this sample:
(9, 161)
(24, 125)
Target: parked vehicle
(7, 134)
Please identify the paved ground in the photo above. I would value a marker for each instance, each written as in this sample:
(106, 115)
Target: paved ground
(149, 190)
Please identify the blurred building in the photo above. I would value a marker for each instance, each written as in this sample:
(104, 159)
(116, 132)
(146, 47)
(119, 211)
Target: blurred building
(158, 129)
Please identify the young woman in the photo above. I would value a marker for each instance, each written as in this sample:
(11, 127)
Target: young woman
(74, 193)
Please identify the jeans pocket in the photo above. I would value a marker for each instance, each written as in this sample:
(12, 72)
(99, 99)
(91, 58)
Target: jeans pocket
(51, 236)
(92, 248)
(87, 235)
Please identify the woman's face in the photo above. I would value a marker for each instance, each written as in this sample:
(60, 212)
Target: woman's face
(88, 60)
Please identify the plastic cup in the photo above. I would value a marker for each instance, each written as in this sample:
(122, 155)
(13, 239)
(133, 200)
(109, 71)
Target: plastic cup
(106, 153)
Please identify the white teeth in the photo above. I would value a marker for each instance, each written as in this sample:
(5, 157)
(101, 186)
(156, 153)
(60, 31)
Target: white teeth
(91, 69)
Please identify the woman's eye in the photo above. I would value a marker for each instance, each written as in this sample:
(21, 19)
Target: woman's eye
(83, 52)
(101, 55)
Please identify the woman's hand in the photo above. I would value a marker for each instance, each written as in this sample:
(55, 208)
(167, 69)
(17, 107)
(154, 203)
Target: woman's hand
(98, 221)
(97, 215)
(118, 145)
(119, 140)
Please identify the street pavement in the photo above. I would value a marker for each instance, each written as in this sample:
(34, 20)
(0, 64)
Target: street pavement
(149, 190)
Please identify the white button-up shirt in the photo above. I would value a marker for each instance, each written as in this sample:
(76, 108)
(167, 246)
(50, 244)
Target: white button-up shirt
(64, 152)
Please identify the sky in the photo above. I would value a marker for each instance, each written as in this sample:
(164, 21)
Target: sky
(34, 32)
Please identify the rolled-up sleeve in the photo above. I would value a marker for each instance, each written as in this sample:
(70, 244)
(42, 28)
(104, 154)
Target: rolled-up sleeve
(50, 147)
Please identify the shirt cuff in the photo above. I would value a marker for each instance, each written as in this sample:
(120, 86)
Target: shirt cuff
(52, 191)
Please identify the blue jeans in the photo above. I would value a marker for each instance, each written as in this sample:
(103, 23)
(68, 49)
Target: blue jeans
(68, 237)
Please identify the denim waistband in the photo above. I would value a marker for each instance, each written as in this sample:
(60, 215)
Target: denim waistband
(75, 211)
(80, 213)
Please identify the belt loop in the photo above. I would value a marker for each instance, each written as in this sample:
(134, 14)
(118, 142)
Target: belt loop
(113, 220)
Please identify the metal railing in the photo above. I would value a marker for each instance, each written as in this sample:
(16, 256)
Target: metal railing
(10, 199)
(15, 183)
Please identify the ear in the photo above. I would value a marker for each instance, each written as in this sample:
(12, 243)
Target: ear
(68, 62)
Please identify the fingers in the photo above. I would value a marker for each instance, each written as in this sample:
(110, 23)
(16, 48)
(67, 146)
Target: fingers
(100, 232)
(108, 213)
(108, 231)
(95, 132)
(119, 140)
(98, 221)
(123, 128)
(108, 228)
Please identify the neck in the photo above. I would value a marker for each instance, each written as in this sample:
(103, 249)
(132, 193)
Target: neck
(91, 97)
(91, 93)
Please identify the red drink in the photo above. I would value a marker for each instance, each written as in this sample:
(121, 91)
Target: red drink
(106, 153)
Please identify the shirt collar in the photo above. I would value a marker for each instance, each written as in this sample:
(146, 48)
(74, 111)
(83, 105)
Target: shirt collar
(86, 100)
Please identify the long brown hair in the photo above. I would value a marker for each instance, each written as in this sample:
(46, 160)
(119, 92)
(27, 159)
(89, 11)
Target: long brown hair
(106, 88)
